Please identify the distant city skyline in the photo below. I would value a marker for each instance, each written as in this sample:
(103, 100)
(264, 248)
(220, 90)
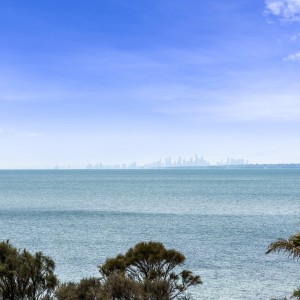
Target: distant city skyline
(122, 81)
(172, 163)
(169, 162)
(194, 161)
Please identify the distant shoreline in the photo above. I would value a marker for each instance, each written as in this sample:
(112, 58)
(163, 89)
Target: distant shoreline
(249, 166)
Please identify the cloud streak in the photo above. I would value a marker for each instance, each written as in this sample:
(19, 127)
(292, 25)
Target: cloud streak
(30, 134)
(150, 85)
(282, 108)
(224, 105)
(20, 133)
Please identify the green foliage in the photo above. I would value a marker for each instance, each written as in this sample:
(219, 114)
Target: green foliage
(118, 287)
(151, 271)
(292, 247)
(67, 291)
(296, 294)
(24, 275)
(86, 289)
(148, 271)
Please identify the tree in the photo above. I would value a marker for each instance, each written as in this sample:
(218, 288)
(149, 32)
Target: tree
(24, 275)
(290, 245)
(8, 269)
(154, 269)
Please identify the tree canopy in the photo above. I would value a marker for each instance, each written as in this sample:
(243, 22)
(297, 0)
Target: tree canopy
(154, 268)
(148, 271)
(24, 275)
(291, 246)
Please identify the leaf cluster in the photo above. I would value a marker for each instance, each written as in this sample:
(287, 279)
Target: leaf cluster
(290, 245)
(86, 289)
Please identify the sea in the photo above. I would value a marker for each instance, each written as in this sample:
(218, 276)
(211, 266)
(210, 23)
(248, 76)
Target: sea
(221, 219)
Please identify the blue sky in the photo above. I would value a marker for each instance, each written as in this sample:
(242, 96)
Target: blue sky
(120, 81)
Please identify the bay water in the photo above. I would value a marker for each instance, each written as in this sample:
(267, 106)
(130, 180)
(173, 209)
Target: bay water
(222, 220)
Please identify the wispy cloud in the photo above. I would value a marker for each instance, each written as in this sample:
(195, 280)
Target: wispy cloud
(168, 82)
(288, 10)
(295, 57)
(284, 107)
(20, 133)
(295, 37)
(224, 105)
(30, 134)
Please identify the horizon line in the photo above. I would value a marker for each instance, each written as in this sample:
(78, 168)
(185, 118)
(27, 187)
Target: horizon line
(248, 166)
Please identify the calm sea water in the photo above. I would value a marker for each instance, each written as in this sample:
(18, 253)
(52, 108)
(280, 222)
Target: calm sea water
(222, 220)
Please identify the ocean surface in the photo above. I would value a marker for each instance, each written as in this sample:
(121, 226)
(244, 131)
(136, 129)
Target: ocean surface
(221, 219)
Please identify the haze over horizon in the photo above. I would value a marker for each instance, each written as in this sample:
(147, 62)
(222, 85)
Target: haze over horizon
(121, 81)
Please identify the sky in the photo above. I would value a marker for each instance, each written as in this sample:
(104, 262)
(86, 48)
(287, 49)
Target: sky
(118, 81)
